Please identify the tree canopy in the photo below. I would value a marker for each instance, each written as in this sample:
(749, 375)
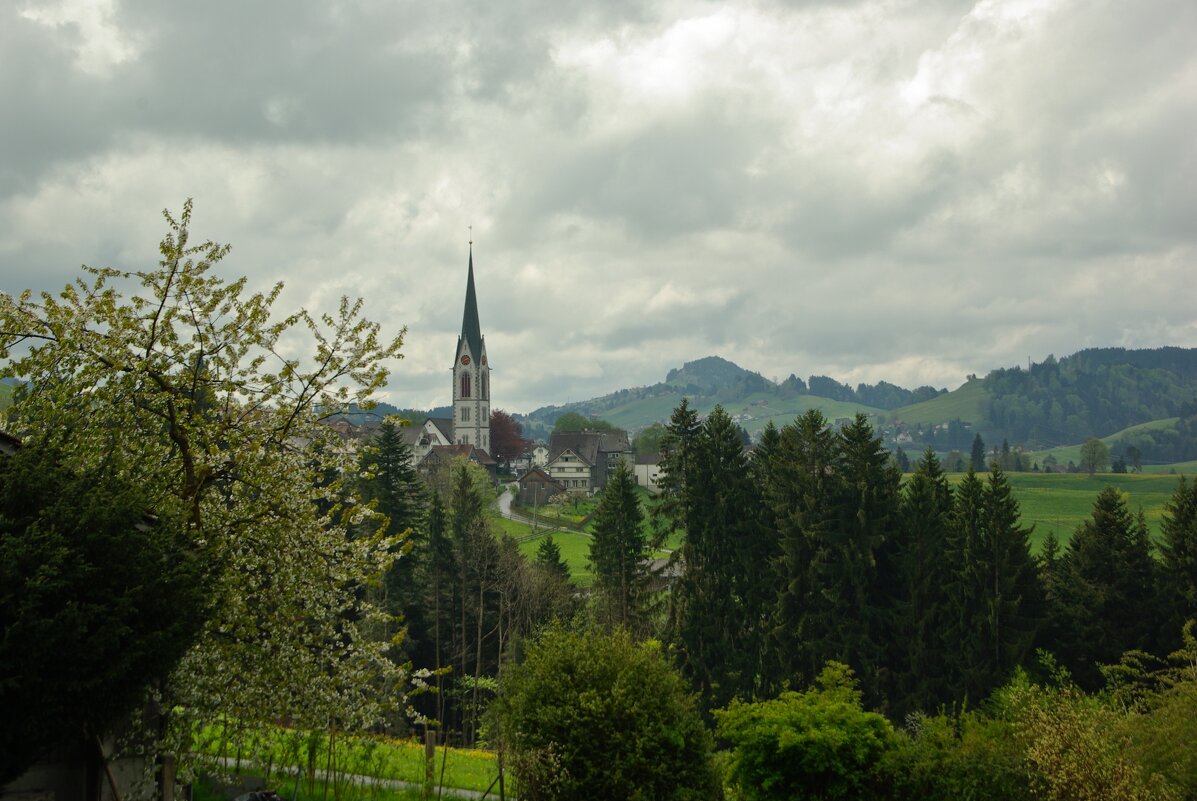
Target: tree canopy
(97, 600)
(195, 390)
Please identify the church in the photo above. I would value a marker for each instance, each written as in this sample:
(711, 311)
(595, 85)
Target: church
(471, 375)
(467, 433)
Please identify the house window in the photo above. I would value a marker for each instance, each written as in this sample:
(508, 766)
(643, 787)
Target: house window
(465, 385)
(465, 414)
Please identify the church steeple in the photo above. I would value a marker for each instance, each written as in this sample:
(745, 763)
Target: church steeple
(471, 374)
(471, 329)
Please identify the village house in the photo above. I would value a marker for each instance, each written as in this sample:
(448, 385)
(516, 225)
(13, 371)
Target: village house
(583, 461)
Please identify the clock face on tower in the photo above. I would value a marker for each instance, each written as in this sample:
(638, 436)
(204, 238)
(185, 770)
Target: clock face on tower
(465, 359)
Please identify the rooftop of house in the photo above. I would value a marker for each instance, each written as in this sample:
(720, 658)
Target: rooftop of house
(589, 444)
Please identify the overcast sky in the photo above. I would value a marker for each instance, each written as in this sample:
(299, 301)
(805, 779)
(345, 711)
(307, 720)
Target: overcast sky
(909, 191)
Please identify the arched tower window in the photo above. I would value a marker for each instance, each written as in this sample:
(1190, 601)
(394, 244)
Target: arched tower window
(465, 385)
(485, 386)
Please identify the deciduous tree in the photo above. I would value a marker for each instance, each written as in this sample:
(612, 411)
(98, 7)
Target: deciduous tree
(506, 437)
(198, 393)
(1095, 455)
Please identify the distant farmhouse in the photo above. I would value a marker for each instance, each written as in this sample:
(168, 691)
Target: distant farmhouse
(583, 461)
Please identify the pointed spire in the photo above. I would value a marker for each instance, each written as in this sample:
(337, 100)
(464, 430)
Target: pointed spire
(471, 329)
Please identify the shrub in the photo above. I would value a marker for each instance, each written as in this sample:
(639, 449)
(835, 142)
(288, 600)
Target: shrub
(596, 715)
(817, 744)
(948, 758)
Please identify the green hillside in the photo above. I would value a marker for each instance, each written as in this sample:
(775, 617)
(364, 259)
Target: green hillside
(1115, 393)
(967, 403)
(5, 395)
(753, 412)
(1072, 453)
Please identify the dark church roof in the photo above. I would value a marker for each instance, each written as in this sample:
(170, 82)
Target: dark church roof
(471, 329)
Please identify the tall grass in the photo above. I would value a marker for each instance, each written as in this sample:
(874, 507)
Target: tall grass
(328, 765)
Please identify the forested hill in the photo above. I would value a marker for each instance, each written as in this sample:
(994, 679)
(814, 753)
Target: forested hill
(754, 399)
(1092, 393)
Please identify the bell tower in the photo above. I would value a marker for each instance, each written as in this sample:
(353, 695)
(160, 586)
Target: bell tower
(471, 375)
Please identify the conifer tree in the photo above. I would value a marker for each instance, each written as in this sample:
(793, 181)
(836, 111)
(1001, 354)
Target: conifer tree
(717, 631)
(917, 591)
(767, 568)
(995, 600)
(1013, 608)
(977, 455)
(798, 494)
(964, 604)
(677, 445)
(845, 568)
(620, 553)
(1178, 562)
(1105, 603)
(548, 556)
(388, 477)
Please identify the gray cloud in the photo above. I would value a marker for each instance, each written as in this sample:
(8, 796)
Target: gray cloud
(870, 190)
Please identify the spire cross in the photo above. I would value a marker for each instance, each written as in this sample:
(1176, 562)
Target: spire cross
(471, 235)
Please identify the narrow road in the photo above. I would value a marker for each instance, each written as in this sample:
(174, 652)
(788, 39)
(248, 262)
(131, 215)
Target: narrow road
(504, 502)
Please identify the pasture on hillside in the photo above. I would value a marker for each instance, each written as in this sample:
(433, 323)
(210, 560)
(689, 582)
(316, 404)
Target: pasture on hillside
(1060, 502)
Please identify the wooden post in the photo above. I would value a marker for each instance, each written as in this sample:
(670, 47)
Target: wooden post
(429, 762)
(168, 777)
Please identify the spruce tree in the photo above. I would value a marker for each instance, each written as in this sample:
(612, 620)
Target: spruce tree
(620, 554)
(798, 494)
(1013, 595)
(845, 568)
(1105, 598)
(548, 556)
(919, 573)
(964, 668)
(1178, 562)
(995, 600)
(717, 631)
(388, 478)
(767, 567)
(977, 456)
(677, 444)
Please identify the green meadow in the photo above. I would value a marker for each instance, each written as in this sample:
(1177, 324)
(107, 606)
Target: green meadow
(1060, 502)
(1051, 502)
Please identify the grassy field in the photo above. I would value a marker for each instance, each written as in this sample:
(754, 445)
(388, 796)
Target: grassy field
(1060, 502)
(274, 755)
(1179, 468)
(1051, 502)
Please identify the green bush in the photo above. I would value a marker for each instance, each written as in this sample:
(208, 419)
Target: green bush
(955, 758)
(596, 715)
(817, 744)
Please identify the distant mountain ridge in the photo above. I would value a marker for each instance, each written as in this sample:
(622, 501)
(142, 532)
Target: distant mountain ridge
(1095, 392)
(745, 394)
